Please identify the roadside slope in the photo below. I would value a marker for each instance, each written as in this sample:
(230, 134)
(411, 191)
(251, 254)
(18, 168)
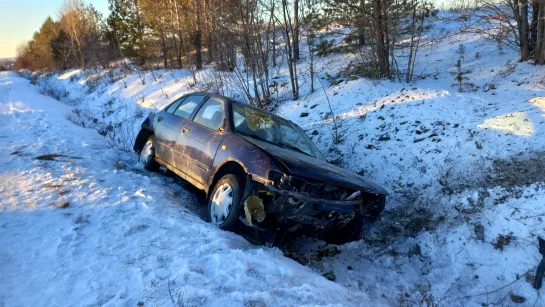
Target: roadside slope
(124, 236)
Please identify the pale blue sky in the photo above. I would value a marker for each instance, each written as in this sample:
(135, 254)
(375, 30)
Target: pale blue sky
(19, 19)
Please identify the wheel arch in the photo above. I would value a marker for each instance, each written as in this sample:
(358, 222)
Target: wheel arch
(141, 139)
(229, 167)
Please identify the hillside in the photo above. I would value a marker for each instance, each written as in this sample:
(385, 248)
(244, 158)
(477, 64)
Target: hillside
(462, 160)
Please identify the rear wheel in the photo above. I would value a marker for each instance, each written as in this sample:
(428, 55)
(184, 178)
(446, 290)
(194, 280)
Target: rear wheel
(224, 202)
(147, 156)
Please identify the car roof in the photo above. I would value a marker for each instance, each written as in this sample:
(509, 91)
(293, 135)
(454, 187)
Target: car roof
(231, 100)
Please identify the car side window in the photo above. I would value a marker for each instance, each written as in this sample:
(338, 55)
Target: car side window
(210, 114)
(174, 105)
(186, 108)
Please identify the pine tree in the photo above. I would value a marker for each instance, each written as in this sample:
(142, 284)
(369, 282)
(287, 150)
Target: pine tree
(127, 28)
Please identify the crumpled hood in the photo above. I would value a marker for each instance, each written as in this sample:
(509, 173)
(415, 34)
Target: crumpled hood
(304, 166)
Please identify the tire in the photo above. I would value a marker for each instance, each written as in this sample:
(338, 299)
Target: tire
(147, 156)
(224, 204)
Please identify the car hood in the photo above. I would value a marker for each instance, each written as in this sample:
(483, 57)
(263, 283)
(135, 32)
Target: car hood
(301, 165)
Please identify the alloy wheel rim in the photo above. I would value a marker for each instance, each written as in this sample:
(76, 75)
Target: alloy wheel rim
(222, 203)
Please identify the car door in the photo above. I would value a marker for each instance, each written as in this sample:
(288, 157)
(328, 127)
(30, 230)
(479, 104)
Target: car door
(200, 140)
(170, 123)
(164, 124)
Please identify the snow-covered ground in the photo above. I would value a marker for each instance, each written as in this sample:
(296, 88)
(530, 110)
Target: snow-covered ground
(465, 171)
(88, 228)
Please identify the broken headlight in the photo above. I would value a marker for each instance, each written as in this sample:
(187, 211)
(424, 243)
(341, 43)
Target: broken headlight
(275, 176)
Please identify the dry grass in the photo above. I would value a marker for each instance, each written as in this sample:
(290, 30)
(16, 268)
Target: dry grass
(64, 205)
(503, 240)
(53, 186)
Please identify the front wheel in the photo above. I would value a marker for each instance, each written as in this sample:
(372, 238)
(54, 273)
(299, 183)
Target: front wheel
(224, 202)
(147, 156)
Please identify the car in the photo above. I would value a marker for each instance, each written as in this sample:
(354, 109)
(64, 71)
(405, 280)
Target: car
(257, 169)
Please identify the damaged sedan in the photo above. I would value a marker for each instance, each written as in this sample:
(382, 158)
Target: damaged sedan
(257, 169)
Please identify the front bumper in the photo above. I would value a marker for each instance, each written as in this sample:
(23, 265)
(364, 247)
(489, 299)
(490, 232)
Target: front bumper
(335, 221)
(326, 205)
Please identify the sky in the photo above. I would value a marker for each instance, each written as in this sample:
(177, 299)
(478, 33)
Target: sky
(19, 19)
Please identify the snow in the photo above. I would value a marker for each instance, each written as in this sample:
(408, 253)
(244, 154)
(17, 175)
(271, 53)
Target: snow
(450, 160)
(126, 235)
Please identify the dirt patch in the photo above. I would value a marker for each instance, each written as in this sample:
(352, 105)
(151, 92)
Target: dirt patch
(516, 171)
(402, 222)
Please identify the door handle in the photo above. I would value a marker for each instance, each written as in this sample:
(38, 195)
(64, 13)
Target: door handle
(160, 118)
(185, 130)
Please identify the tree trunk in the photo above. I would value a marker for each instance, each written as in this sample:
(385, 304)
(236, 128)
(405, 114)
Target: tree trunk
(291, 62)
(381, 39)
(533, 28)
(524, 47)
(361, 30)
(198, 36)
(273, 42)
(296, 30)
(411, 47)
(164, 51)
(180, 37)
(540, 45)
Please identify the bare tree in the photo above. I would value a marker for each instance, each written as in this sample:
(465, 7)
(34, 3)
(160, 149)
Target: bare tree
(292, 63)
(508, 22)
(73, 23)
(540, 41)
(416, 28)
(295, 32)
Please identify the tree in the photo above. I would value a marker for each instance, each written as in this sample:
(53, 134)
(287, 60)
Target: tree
(85, 29)
(508, 22)
(350, 13)
(41, 44)
(61, 48)
(126, 29)
(198, 34)
(310, 18)
(539, 54)
(37, 53)
(292, 63)
(74, 25)
(295, 32)
(156, 14)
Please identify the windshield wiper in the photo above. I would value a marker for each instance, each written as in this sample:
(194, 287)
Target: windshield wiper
(294, 148)
(277, 144)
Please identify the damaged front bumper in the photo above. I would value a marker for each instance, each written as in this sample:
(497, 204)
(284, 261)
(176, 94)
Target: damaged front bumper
(326, 205)
(335, 221)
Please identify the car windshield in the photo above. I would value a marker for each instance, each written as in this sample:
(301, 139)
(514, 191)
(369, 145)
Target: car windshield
(259, 125)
